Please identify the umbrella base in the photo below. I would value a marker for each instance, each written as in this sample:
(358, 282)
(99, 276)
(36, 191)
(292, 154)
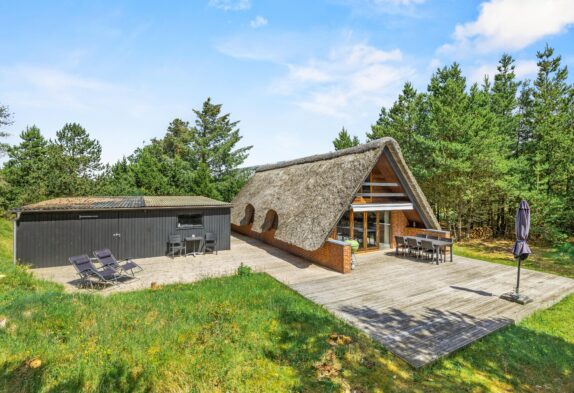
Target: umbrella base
(516, 298)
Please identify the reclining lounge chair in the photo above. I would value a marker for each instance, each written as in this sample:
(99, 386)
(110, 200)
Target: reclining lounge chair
(107, 259)
(87, 271)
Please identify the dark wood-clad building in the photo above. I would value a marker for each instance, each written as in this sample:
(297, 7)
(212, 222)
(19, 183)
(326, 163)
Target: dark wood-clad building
(49, 232)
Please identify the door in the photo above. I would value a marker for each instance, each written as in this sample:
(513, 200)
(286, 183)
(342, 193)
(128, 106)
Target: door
(385, 229)
(100, 230)
(371, 230)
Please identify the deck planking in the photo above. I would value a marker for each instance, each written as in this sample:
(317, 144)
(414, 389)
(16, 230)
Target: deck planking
(418, 310)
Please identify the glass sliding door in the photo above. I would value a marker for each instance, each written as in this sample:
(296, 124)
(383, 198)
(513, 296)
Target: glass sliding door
(359, 229)
(344, 227)
(372, 230)
(385, 229)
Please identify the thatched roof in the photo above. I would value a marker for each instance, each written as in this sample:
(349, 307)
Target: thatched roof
(310, 194)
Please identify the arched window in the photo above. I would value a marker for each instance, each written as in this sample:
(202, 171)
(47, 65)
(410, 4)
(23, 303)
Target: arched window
(249, 215)
(271, 221)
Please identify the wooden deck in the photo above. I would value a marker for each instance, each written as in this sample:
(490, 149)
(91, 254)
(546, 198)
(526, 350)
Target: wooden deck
(417, 310)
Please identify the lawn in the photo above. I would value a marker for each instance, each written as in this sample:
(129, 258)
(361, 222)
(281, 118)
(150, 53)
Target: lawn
(243, 333)
(551, 259)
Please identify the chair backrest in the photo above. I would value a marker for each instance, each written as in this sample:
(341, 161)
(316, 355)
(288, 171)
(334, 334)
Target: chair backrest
(106, 257)
(427, 245)
(412, 242)
(174, 239)
(446, 239)
(432, 237)
(400, 240)
(421, 235)
(82, 263)
(210, 237)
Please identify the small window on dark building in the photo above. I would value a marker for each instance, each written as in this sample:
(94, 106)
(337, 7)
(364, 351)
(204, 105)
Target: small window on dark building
(190, 220)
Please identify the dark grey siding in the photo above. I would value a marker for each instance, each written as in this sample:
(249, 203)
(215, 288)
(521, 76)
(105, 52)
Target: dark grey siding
(48, 239)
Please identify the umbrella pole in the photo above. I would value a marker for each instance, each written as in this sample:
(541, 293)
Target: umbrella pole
(518, 277)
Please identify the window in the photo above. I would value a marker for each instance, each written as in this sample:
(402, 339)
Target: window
(190, 220)
(271, 221)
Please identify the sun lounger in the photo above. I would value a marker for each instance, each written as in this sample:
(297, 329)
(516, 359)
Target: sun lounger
(88, 271)
(107, 259)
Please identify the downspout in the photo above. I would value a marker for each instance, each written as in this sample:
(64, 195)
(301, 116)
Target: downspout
(15, 231)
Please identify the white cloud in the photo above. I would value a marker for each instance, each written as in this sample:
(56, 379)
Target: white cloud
(523, 69)
(231, 5)
(511, 25)
(50, 97)
(349, 79)
(393, 7)
(258, 21)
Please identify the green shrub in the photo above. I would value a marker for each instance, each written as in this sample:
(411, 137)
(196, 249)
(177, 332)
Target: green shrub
(244, 270)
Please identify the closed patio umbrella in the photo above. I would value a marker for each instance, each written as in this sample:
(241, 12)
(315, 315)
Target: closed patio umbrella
(520, 250)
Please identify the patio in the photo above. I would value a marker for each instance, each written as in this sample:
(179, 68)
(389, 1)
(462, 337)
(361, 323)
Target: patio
(417, 310)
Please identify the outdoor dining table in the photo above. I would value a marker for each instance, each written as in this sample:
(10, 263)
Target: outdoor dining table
(198, 243)
(437, 243)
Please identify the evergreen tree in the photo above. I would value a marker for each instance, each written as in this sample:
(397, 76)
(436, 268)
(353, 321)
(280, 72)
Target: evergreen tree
(26, 169)
(403, 123)
(213, 141)
(344, 140)
(75, 161)
(5, 120)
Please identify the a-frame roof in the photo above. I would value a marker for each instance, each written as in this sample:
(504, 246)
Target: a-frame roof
(310, 194)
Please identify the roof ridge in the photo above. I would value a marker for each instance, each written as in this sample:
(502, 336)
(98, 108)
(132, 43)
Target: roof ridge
(375, 144)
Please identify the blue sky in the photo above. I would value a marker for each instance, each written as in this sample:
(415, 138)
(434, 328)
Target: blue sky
(293, 72)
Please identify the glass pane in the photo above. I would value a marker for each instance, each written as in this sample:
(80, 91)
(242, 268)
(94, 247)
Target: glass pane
(343, 228)
(372, 229)
(358, 228)
(385, 228)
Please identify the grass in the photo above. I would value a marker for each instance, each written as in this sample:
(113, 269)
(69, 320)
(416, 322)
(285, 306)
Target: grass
(557, 259)
(245, 333)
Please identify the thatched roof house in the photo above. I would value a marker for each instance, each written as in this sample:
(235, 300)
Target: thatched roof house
(300, 203)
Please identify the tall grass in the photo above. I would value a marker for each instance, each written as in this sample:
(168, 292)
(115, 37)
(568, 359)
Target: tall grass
(245, 333)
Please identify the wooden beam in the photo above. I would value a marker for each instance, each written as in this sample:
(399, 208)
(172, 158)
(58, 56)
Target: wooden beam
(375, 184)
(381, 194)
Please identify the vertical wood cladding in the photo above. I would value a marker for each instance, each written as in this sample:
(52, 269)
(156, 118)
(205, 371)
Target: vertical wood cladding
(49, 239)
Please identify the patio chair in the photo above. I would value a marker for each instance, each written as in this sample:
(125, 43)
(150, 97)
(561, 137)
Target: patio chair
(86, 270)
(210, 242)
(413, 245)
(107, 259)
(401, 244)
(176, 244)
(429, 249)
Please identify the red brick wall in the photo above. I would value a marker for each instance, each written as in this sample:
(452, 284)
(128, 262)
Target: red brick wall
(331, 255)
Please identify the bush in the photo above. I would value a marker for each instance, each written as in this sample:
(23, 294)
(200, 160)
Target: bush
(244, 270)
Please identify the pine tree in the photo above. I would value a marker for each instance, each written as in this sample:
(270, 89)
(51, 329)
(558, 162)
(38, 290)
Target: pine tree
(344, 140)
(75, 161)
(403, 123)
(26, 169)
(5, 120)
(213, 142)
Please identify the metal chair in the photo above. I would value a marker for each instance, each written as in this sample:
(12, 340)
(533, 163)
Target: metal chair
(86, 270)
(427, 247)
(413, 246)
(401, 244)
(176, 244)
(210, 242)
(107, 259)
